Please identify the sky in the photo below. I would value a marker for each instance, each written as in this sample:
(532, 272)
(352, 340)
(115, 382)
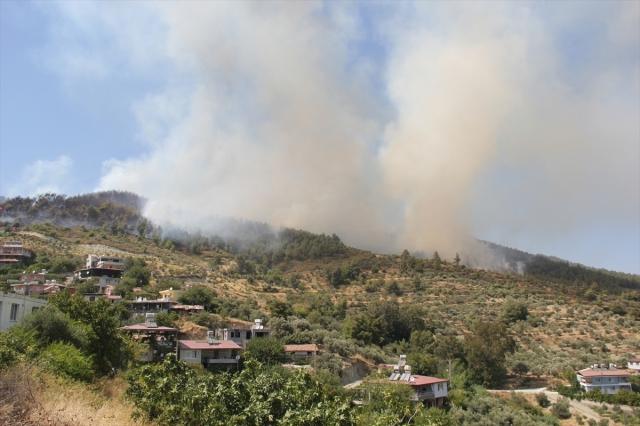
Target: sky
(418, 125)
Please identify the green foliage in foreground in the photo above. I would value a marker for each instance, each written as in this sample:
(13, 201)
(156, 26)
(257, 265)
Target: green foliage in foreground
(172, 393)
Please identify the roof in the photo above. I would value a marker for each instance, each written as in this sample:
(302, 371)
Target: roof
(424, 380)
(204, 345)
(634, 360)
(143, 327)
(301, 348)
(589, 372)
(9, 260)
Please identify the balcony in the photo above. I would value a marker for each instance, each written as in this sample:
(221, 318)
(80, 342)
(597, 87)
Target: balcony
(422, 395)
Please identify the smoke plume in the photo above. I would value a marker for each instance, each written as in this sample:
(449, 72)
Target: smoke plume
(395, 126)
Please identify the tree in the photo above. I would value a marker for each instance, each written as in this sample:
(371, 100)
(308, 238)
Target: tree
(561, 409)
(407, 262)
(266, 350)
(334, 276)
(49, 325)
(485, 351)
(280, 309)
(456, 260)
(171, 393)
(363, 328)
(514, 310)
(420, 340)
(140, 274)
(199, 295)
(88, 286)
(142, 228)
(543, 400)
(436, 261)
(105, 343)
(62, 265)
(422, 364)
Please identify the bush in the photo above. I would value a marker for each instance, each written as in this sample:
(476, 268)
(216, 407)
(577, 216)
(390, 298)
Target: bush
(543, 400)
(266, 350)
(561, 409)
(199, 295)
(68, 361)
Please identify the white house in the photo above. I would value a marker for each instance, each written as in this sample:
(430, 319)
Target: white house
(209, 352)
(15, 306)
(634, 365)
(242, 335)
(608, 380)
(431, 391)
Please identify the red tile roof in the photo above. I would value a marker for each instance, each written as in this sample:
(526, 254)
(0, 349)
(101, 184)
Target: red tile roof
(424, 380)
(301, 348)
(204, 345)
(589, 372)
(634, 360)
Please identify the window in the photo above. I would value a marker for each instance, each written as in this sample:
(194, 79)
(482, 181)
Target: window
(440, 386)
(35, 308)
(14, 312)
(190, 354)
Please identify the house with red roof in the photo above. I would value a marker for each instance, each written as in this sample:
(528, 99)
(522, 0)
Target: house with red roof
(301, 351)
(608, 380)
(211, 352)
(159, 341)
(431, 391)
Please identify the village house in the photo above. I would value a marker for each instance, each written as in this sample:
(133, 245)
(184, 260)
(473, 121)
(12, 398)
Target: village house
(34, 276)
(12, 253)
(634, 365)
(37, 287)
(608, 380)
(107, 269)
(171, 294)
(241, 335)
(431, 391)
(15, 306)
(211, 352)
(301, 351)
(142, 305)
(159, 341)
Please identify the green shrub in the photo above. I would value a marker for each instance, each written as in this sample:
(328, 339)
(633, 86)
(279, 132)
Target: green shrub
(266, 350)
(543, 400)
(68, 361)
(561, 409)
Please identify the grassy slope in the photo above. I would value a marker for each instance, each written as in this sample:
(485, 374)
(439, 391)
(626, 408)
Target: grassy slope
(453, 297)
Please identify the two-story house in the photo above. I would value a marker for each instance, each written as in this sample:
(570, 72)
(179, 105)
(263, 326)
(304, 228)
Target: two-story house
(107, 269)
(211, 352)
(12, 253)
(13, 307)
(607, 379)
(431, 391)
(158, 340)
(241, 335)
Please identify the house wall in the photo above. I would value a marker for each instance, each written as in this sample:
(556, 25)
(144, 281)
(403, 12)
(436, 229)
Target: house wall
(25, 305)
(608, 385)
(189, 355)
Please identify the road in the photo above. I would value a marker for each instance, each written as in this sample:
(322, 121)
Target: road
(577, 406)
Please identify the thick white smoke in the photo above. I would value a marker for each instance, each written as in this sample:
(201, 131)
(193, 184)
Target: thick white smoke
(475, 117)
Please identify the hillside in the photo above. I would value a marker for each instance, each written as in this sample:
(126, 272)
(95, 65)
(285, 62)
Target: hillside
(359, 305)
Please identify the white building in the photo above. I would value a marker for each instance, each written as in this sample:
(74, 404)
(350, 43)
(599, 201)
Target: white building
(209, 352)
(13, 307)
(242, 335)
(607, 379)
(634, 365)
(431, 391)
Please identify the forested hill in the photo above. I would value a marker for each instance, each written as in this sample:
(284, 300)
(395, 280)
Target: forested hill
(94, 209)
(121, 212)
